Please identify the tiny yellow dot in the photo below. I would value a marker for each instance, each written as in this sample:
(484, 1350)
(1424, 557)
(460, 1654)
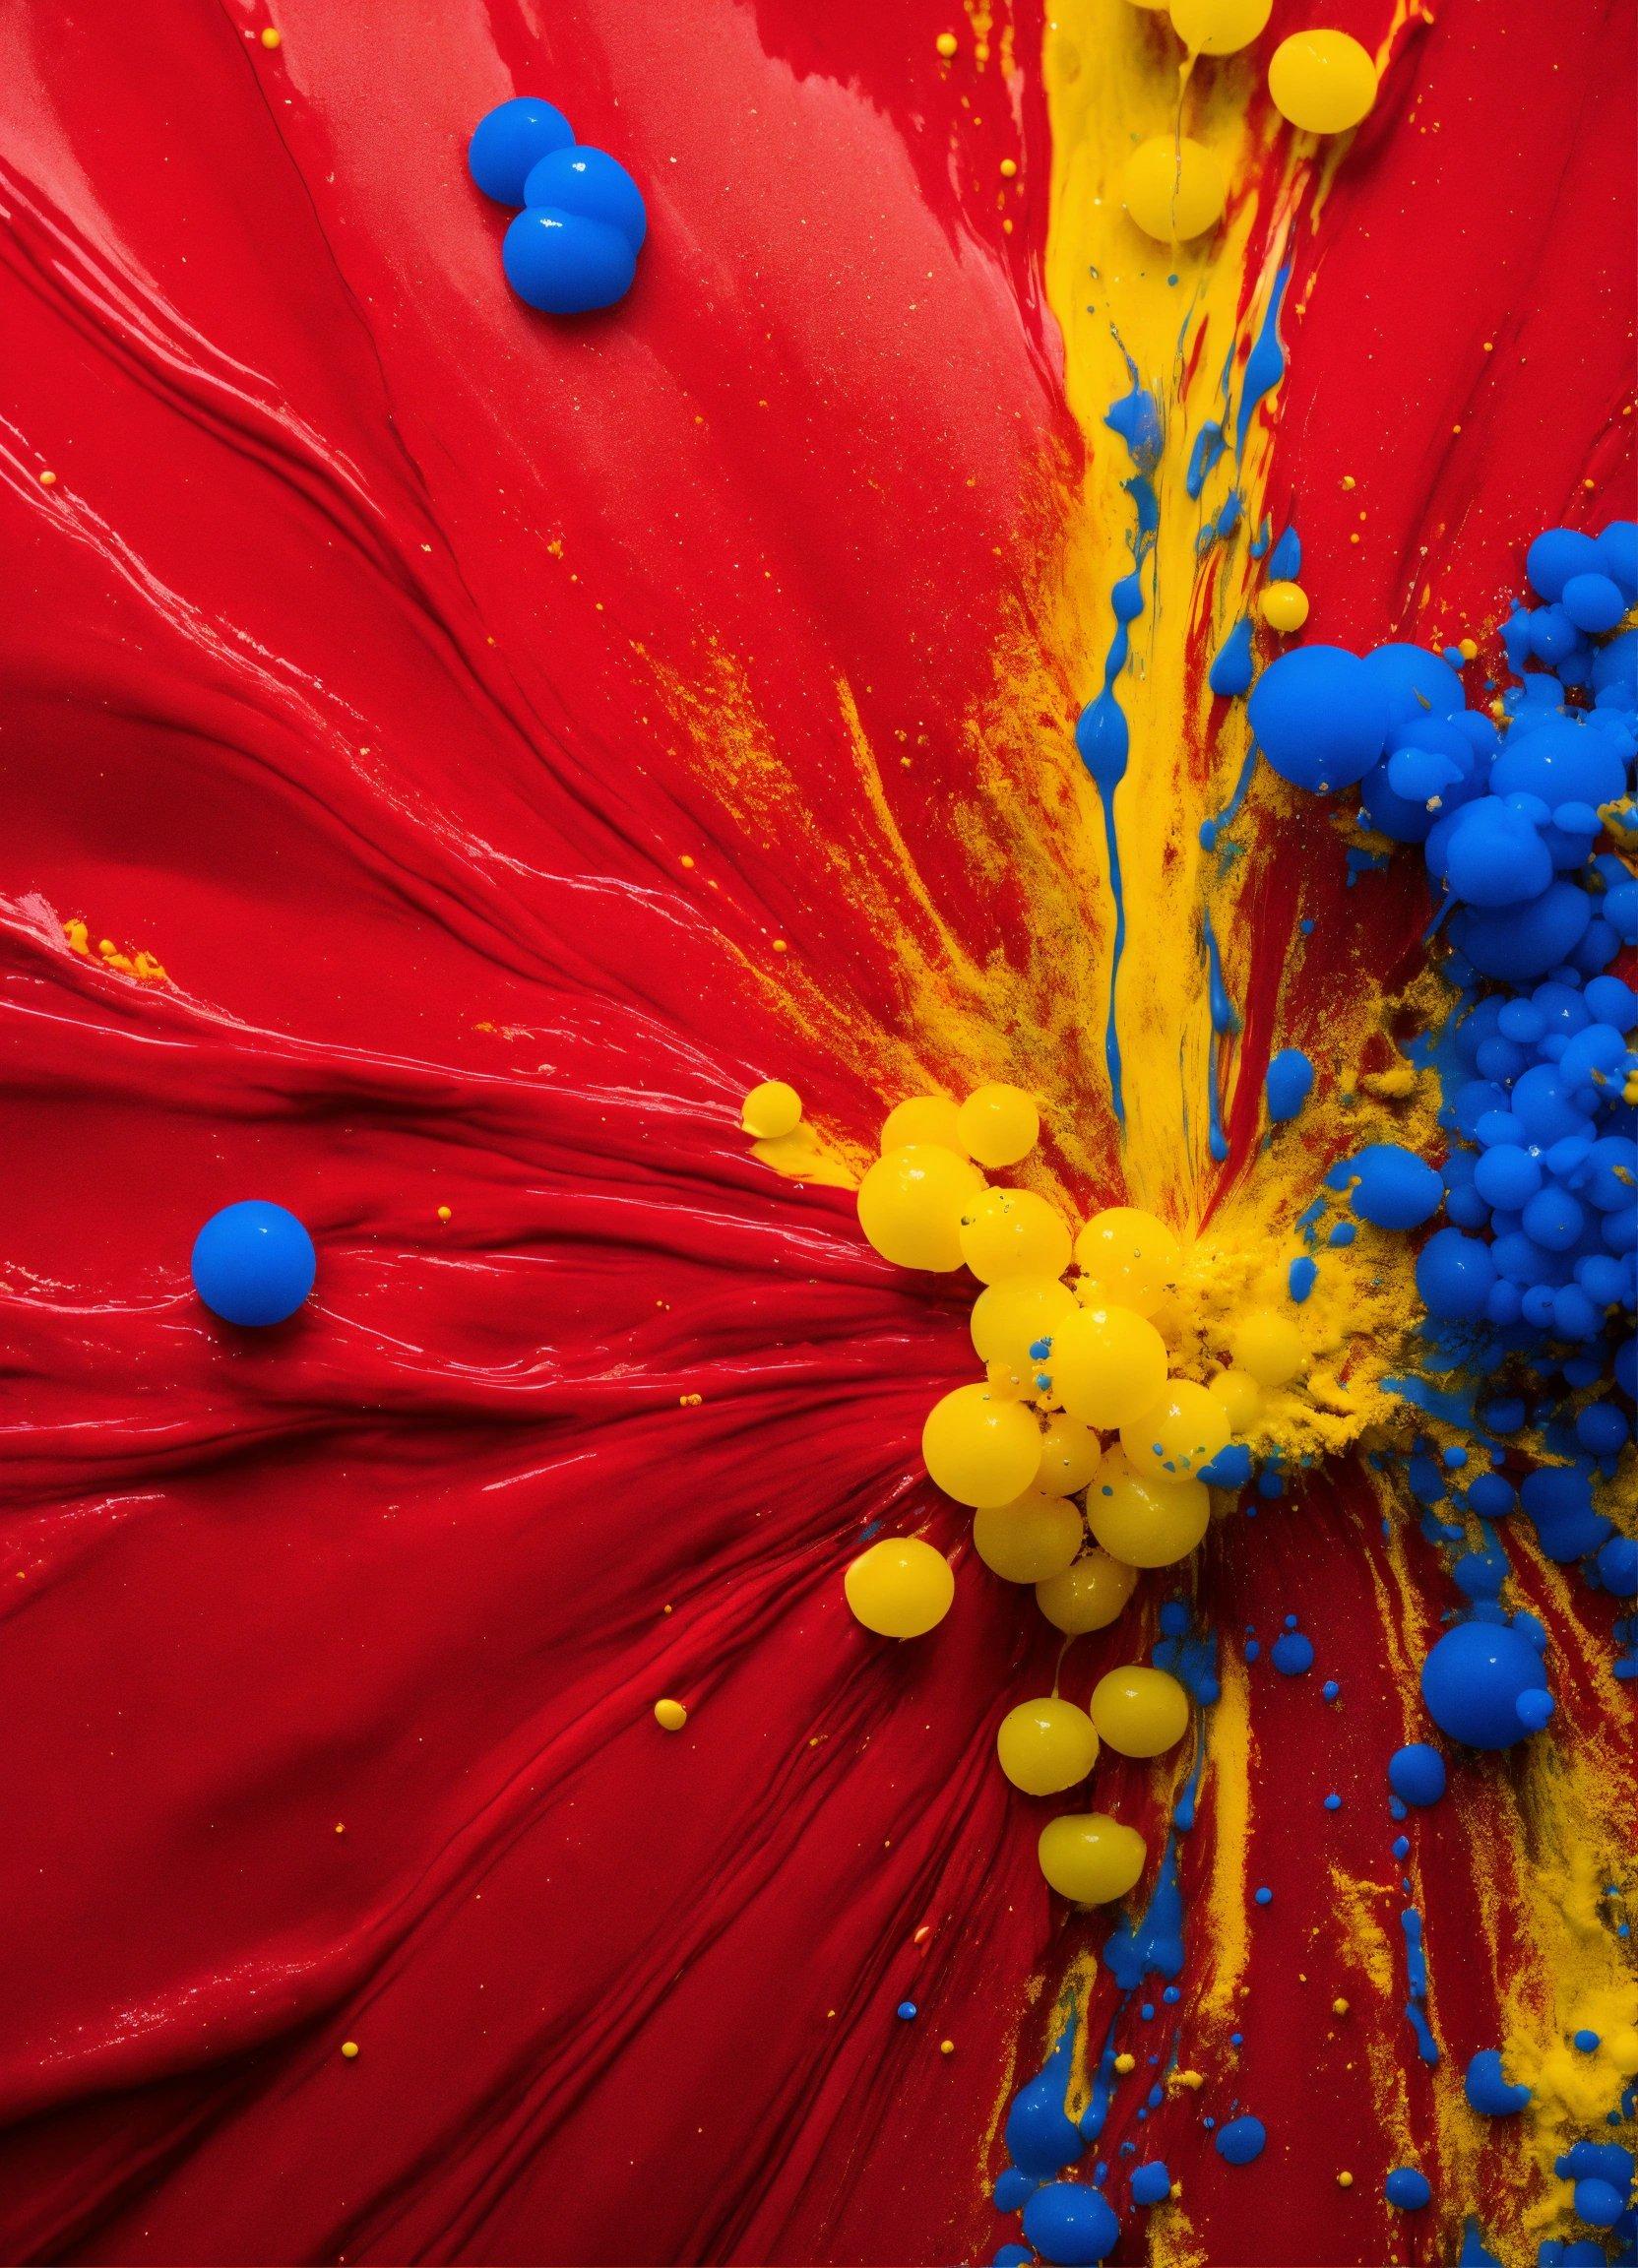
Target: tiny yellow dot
(270, 38)
(1009, 166)
(685, 860)
(1339, 2007)
(445, 1213)
(48, 480)
(670, 1716)
(1125, 2063)
(780, 945)
(1345, 2181)
(946, 45)
(1468, 648)
(341, 1827)
(1348, 481)
(349, 2049)
(946, 2047)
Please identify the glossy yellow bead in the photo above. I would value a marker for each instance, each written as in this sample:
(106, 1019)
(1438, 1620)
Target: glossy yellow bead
(900, 1588)
(1029, 1541)
(1174, 188)
(1143, 1521)
(1108, 1365)
(1070, 1454)
(1087, 1596)
(999, 1124)
(1013, 1232)
(980, 1449)
(1127, 1259)
(1268, 1347)
(1218, 27)
(670, 1716)
(1284, 606)
(1139, 1712)
(1090, 1859)
(1046, 1745)
(769, 1110)
(922, 1118)
(1322, 81)
(1241, 1398)
(1179, 1436)
(1010, 1317)
(911, 1203)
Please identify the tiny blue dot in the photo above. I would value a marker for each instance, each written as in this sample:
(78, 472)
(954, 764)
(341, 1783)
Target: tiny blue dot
(1265, 1896)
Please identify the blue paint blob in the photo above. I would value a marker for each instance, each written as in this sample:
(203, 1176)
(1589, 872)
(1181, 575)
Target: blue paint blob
(1408, 2189)
(1394, 1187)
(1476, 1680)
(1265, 1896)
(1586, 2042)
(1487, 2091)
(1071, 2225)
(1241, 2140)
(564, 264)
(510, 140)
(1151, 2183)
(1599, 2203)
(592, 185)
(1288, 1083)
(1012, 2187)
(1230, 672)
(1319, 718)
(906, 2011)
(1293, 1653)
(1301, 1278)
(1416, 1774)
(253, 1264)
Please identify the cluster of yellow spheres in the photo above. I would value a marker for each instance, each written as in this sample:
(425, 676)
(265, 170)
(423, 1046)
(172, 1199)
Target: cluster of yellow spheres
(1324, 81)
(1078, 1453)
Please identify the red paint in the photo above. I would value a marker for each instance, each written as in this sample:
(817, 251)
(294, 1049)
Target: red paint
(324, 488)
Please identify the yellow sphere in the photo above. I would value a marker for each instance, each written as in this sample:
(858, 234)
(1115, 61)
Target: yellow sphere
(1218, 27)
(900, 1588)
(1010, 1317)
(1285, 606)
(980, 1449)
(670, 1716)
(1029, 1541)
(924, 1118)
(1174, 188)
(1322, 81)
(911, 1203)
(1179, 1436)
(1087, 1596)
(1107, 1365)
(1143, 1521)
(999, 1124)
(769, 1110)
(1013, 1232)
(1070, 1454)
(1045, 1746)
(1139, 1712)
(1127, 1258)
(1268, 1346)
(1241, 1398)
(1090, 1859)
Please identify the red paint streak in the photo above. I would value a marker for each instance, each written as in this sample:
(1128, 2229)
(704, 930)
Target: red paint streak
(328, 680)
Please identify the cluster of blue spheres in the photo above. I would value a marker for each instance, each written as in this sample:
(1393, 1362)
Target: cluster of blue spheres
(253, 1264)
(574, 246)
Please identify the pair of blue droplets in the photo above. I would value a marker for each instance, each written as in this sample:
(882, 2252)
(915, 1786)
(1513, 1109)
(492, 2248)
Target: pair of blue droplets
(574, 246)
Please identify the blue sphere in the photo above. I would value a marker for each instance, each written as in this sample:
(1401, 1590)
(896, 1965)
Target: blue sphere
(1416, 1774)
(1593, 603)
(1474, 1681)
(1496, 855)
(1617, 1566)
(592, 185)
(1520, 942)
(1041, 2137)
(1071, 2225)
(1455, 1276)
(1555, 556)
(1151, 2183)
(1407, 2189)
(1560, 762)
(564, 264)
(511, 139)
(1290, 1081)
(1415, 684)
(253, 1264)
(1293, 1653)
(1395, 1189)
(1241, 2140)
(1599, 2203)
(1617, 551)
(1320, 718)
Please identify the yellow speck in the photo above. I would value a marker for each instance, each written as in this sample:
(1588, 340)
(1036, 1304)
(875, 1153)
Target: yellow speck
(48, 480)
(271, 38)
(1468, 648)
(444, 1214)
(946, 45)
(1353, 539)
(349, 2049)
(1125, 2063)
(1489, 345)
(689, 1401)
(340, 1826)
(1345, 2181)
(780, 945)
(1348, 481)
(78, 935)
(1339, 2007)
(670, 1716)
(1194, 2080)
(685, 860)
(1009, 166)
(106, 947)
(946, 2047)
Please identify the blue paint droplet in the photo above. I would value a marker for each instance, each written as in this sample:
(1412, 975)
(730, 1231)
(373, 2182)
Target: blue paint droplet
(1407, 2189)
(1416, 1774)
(1241, 2140)
(1293, 1653)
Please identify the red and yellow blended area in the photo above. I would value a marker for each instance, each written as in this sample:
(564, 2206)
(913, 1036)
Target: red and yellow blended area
(882, 911)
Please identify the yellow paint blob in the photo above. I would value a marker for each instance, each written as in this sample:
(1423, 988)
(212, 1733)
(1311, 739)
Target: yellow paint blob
(769, 1110)
(1070, 1454)
(1031, 1540)
(1139, 1712)
(946, 43)
(1174, 188)
(271, 37)
(1012, 1316)
(349, 2049)
(1322, 81)
(670, 1716)
(1241, 1398)
(1146, 1523)
(1127, 1259)
(999, 1124)
(1268, 1347)
(1285, 606)
(1013, 1232)
(979, 1449)
(900, 1588)
(1090, 1859)
(1179, 1436)
(1109, 1365)
(1218, 27)
(1087, 1596)
(922, 1118)
(911, 1203)
(1046, 1745)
